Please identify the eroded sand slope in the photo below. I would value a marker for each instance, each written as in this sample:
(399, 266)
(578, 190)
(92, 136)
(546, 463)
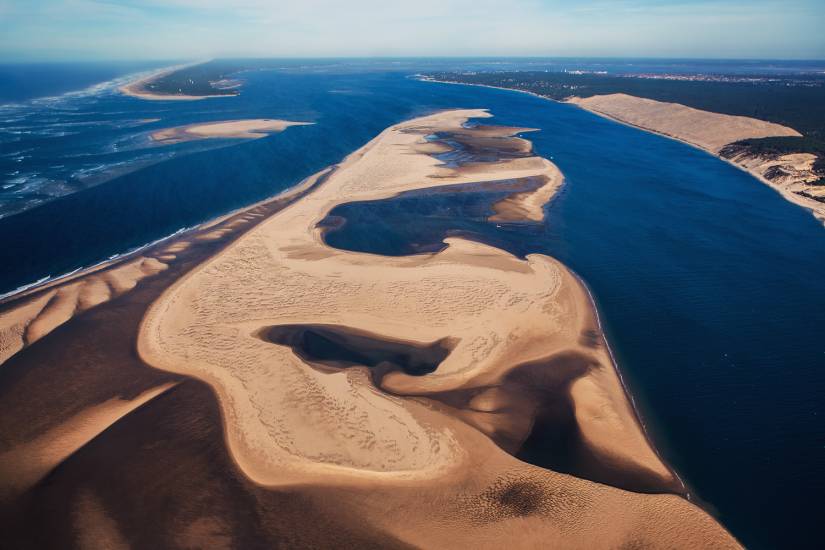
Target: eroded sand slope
(422, 458)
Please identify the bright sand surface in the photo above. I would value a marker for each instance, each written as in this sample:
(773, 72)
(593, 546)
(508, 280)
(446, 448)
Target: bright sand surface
(240, 129)
(711, 132)
(417, 457)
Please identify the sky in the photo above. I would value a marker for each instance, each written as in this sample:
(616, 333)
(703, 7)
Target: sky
(193, 29)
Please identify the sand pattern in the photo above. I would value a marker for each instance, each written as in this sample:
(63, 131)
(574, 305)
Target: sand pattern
(423, 458)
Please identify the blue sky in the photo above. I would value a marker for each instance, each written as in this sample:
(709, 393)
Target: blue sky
(181, 29)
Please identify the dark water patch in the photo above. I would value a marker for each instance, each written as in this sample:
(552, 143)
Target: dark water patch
(467, 148)
(418, 221)
(341, 347)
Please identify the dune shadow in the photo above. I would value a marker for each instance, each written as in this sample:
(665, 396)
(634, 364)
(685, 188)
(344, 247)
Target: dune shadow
(340, 347)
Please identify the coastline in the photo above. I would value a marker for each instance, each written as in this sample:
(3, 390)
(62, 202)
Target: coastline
(136, 87)
(474, 469)
(816, 208)
(43, 304)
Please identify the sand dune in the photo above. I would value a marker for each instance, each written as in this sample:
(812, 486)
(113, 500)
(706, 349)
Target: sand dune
(37, 316)
(714, 132)
(238, 129)
(710, 131)
(423, 458)
(529, 205)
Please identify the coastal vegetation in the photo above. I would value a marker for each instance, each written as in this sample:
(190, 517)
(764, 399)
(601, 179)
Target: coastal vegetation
(204, 79)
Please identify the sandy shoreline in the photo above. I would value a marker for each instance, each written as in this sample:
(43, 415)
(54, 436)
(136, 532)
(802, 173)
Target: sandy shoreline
(754, 167)
(438, 435)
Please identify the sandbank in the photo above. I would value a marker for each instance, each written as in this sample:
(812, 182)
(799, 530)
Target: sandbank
(712, 132)
(234, 129)
(424, 459)
(137, 88)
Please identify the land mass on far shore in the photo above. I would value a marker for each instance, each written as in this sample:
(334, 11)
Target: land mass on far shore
(773, 128)
(332, 395)
(185, 83)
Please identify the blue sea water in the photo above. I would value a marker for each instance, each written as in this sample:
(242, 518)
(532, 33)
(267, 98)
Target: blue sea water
(709, 284)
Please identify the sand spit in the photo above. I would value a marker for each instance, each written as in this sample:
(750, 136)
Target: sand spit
(714, 132)
(420, 458)
(137, 88)
(529, 205)
(234, 129)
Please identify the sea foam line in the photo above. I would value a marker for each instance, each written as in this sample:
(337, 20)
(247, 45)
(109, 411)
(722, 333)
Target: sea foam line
(50, 279)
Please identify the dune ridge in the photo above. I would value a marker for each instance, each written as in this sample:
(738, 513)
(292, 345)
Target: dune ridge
(423, 458)
(716, 133)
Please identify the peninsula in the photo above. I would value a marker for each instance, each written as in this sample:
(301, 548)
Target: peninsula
(235, 129)
(185, 83)
(334, 395)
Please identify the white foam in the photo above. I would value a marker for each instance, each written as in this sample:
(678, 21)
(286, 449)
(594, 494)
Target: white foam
(135, 250)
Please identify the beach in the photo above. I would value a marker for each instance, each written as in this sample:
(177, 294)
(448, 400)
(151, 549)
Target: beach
(233, 129)
(712, 132)
(674, 248)
(461, 356)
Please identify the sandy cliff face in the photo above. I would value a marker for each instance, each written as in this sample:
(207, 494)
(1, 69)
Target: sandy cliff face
(794, 173)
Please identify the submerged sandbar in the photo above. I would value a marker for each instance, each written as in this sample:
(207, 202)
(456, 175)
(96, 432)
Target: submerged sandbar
(232, 129)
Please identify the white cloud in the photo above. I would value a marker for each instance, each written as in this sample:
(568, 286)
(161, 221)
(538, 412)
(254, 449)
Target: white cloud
(194, 28)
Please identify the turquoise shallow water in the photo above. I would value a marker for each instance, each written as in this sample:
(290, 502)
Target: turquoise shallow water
(708, 282)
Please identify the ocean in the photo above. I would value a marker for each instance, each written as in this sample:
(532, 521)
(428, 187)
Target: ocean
(708, 283)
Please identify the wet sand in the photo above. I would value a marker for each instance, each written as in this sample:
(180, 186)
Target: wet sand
(234, 129)
(284, 392)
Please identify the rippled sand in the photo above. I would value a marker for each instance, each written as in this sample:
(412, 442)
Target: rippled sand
(422, 459)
